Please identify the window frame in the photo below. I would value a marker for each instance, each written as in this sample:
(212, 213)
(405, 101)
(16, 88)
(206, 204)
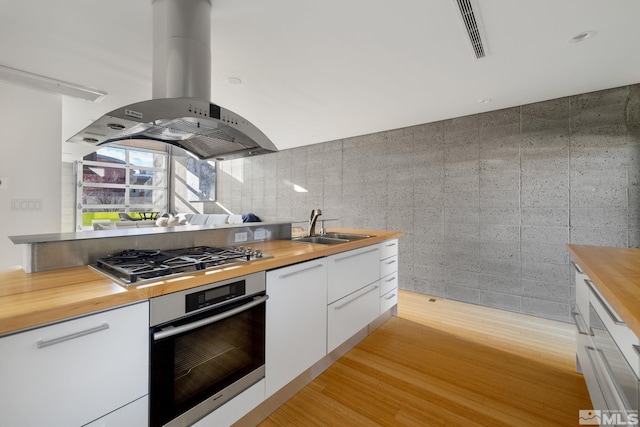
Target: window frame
(127, 206)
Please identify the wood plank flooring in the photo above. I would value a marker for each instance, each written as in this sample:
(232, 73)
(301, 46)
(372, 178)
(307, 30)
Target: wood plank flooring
(446, 363)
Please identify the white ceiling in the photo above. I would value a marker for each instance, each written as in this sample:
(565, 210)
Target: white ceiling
(320, 71)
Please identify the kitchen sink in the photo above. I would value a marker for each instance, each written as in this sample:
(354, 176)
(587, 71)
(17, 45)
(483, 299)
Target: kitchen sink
(346, 236)
(331, 238)
(320, 240)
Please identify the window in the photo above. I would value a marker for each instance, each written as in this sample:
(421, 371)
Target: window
(114, 180)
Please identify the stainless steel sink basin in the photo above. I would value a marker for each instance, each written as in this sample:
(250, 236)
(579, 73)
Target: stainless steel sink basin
(331, 238)
(346, 236)
(322, 240)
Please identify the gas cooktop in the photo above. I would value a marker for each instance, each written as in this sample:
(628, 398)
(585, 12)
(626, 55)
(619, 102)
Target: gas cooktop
(135, 266)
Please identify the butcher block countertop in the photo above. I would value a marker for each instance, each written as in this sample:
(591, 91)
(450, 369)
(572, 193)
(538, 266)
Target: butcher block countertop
(29, 300)
(616, 274)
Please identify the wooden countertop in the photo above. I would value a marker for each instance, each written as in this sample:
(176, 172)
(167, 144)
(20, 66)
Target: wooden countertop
(29, 300)
(616, 274)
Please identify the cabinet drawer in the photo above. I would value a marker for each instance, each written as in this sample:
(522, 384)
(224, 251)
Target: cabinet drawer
(585, 352)
(236, 408)
(352, 270)
(388, 266)
(74, 372)
(582, 292)
(350, 314)
(388, 300)
(388, 283)
(622, 335)
(388, 248)
(134, 414)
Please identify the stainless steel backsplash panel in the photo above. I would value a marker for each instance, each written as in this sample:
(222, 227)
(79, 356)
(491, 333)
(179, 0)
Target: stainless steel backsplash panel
(46, 252)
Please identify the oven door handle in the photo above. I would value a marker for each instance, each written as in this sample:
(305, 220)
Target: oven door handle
(171, 331)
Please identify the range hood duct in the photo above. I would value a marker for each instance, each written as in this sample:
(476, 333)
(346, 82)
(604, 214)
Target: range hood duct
(180, 112)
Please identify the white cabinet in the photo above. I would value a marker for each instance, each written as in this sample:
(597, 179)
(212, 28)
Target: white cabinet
(132, 415)
(388, 248)
(388, 275)
(388, 266)
(353, 294)
(606, 351)
(388, 293)
(581, 312)
(350, 314)
(234, 409)
(296, 321)
(352, 270)
(74, 372)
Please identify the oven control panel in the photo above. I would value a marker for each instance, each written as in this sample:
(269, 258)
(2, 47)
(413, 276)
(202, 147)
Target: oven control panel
(212, 296)
(169, 307)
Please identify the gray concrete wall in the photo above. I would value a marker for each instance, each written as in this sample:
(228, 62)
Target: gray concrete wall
(487, 202)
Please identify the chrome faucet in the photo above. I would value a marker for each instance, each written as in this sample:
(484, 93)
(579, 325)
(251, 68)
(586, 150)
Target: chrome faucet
(312, 221)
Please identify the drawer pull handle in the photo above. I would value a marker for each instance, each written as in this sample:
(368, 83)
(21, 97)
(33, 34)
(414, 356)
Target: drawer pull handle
(610, 311)
(577, 267)
(391, 262)
(390, 296)
(47, 343)
(391, 279)
(344, 304)
(580, 324)
(293, 273)
(358, 254)
(390, 245)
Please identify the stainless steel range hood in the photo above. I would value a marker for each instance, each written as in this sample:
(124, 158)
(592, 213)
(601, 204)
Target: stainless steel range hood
(180, 113)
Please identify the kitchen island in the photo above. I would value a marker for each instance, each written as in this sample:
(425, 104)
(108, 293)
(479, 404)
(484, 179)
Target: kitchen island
(616, 273)
(607, 318)
(320, 301)
(31, 299)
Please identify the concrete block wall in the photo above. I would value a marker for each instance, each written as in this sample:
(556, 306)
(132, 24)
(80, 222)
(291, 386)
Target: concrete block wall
(487, 202)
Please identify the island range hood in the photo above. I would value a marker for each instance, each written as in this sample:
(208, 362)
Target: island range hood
(180, 112)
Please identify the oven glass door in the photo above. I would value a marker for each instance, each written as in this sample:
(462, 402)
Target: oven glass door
(193, 366)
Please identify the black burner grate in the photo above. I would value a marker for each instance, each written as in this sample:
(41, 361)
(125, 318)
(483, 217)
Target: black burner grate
(133, 265)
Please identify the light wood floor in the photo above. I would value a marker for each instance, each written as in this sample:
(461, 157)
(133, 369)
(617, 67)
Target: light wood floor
(445, 363)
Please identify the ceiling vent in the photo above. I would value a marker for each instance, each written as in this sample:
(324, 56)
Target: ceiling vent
(471, 22)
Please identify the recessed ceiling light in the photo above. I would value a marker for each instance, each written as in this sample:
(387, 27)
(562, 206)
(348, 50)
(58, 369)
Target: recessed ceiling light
(581, 36)
(234, 80)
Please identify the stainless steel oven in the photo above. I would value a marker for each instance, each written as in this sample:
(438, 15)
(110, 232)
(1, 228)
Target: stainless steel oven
(207, 345)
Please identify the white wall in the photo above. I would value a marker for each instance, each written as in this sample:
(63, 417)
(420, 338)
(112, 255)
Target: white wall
(30, 166)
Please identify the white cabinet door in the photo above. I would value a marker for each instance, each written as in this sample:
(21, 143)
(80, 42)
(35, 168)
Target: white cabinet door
(388, 266)
(352, 270)
(296, 334)
(388, 300)
(388, 248)
(388, 283)
(234, 409)
(71, 373)
(135, 414)
(582, 293)
(352, 313)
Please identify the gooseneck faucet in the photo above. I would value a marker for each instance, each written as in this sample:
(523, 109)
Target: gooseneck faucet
(315, 213)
